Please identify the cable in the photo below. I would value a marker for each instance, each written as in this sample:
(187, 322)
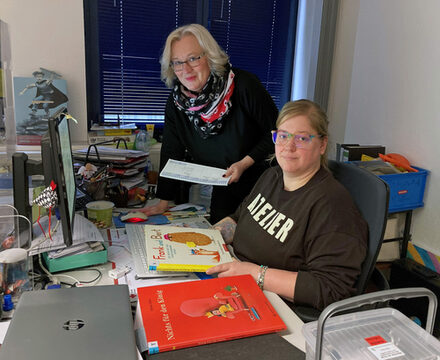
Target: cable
(70, 277)
(79, 282)
(49, 274)
(95, 279)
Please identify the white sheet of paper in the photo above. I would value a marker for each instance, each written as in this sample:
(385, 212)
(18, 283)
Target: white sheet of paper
(195, 173)
(3, 329)
(83, 231)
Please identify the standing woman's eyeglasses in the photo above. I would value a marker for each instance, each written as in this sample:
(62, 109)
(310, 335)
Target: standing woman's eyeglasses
(193, 61)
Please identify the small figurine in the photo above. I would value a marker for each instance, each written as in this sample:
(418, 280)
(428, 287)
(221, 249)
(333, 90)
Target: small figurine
(87, 171)
(47, 199)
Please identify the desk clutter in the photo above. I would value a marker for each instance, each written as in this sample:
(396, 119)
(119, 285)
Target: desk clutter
(118, 175)
(235, 306)
(180, 315)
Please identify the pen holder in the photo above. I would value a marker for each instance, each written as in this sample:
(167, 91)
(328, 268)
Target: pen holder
(97, 189)
(15, 264)
(119, 196)
(14, 268)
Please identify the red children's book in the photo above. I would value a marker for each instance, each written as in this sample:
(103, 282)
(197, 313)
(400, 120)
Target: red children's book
(199, 312)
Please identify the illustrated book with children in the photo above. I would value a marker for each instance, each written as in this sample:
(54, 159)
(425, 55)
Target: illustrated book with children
(173, 248)
(186, 314)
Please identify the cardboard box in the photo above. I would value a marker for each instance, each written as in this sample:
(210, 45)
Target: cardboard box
(390, 251)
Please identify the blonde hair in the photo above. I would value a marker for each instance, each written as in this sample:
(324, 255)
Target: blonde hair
(217, 58)
(317, 118)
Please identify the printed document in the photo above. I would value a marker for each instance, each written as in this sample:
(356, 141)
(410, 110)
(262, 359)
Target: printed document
(83, 231)
(194, 173)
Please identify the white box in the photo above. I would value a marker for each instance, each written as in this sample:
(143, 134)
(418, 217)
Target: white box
(372, 335)
(390, 251)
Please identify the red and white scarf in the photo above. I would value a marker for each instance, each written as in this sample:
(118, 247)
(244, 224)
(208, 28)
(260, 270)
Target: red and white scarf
(206, 110)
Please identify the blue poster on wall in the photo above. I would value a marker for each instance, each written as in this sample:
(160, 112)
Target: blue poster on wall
(36, 99)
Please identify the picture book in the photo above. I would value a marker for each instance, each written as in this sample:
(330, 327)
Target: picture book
(181, 315)
(173, 248)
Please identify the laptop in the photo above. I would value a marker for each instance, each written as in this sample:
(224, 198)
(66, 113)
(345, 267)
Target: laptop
(72, 324)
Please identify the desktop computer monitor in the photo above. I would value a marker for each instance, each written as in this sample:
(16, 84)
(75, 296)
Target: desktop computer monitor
(56, 165)
(63, 174)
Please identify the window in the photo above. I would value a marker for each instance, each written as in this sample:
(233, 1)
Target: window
(124, 40)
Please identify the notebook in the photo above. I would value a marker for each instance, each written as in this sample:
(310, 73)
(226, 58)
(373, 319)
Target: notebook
(71, 324)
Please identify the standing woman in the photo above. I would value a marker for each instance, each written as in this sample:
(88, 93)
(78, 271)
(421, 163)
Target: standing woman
(220, 115)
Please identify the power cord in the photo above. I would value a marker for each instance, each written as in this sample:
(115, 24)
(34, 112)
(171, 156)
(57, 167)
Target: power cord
(79, 283)
(52, 278)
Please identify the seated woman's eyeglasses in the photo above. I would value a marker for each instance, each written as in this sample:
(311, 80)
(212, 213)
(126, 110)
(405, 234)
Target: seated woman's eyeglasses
(193, 61)
(301, 140)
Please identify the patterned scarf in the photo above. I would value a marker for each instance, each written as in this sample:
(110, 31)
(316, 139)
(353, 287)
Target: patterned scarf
(207, 109)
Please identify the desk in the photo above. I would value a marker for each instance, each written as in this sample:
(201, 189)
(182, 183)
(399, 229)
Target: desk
(294, 324)
(292, 334)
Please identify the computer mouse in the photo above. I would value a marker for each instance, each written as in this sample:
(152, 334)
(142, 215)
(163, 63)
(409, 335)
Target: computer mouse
(133, 217)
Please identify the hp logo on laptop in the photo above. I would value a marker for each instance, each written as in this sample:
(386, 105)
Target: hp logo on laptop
(73, 325)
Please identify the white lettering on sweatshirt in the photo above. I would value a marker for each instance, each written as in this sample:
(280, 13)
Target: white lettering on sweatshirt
(269, 218)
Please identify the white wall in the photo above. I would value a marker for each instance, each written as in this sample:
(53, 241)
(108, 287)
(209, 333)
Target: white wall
(385, 89)
(50, 34)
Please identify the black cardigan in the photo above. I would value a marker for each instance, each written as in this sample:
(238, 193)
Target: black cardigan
(246, 131)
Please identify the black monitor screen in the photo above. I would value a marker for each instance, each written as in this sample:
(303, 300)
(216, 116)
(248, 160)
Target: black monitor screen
(57, 165)
(62, 172)
(67, 165)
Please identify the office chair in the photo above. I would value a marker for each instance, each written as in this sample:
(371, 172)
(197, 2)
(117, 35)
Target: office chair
(371, 195)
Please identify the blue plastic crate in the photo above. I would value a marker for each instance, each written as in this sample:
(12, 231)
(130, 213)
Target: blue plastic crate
(406, 189)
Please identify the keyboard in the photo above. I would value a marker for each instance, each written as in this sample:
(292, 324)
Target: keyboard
(81, 200)
(136, 240)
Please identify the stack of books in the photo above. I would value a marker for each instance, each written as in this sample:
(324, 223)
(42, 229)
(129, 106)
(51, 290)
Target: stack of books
(98, 134)
(128, 165)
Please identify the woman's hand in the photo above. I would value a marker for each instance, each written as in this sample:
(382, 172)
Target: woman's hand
(159, 208)
(235, 267)
(237, 169)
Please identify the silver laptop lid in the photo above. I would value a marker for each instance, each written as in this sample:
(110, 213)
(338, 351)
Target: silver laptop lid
(72, 324)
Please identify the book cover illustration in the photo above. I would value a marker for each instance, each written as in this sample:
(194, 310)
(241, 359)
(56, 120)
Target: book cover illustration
(172, 248)
(199, 312)
(36, 99)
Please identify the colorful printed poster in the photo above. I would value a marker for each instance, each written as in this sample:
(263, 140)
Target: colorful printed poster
(36, 99)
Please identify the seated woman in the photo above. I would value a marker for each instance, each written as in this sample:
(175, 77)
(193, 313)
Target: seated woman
(298, 233)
